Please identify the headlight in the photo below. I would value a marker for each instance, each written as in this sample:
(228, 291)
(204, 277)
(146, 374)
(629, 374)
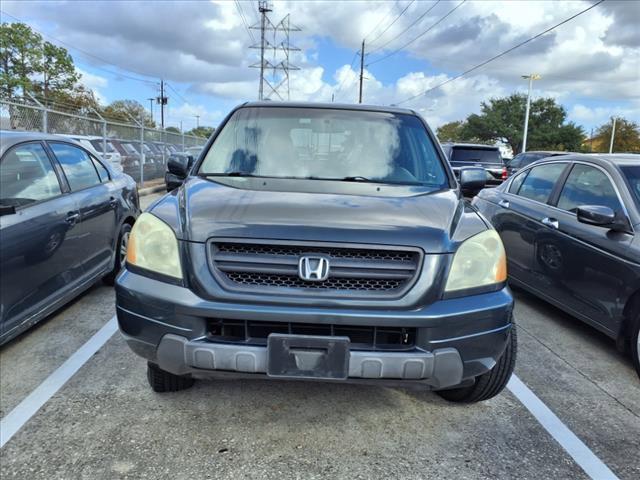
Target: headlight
(479, 261)
(153, 246)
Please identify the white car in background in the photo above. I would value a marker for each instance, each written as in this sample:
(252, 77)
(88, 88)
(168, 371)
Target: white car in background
(95, 145)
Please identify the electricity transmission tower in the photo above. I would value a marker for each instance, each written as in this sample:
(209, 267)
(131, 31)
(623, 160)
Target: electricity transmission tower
(275, 48)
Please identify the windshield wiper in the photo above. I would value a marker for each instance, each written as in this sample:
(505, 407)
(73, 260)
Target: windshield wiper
(355, 178)
(229, 174)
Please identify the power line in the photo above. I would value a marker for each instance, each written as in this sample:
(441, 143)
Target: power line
(355, 55)
(381, 20)
(244, 21)
(416, 38)
(417, 20)
(391, 24)
(89, 55)
(495, 57)
(176, 92)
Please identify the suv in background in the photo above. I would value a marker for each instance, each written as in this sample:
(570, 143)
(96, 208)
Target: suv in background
(488, 157)
(320, 242)
(523, 159)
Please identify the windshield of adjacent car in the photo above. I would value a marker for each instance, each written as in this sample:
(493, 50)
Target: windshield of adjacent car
(326, 144)
(476, 155)
(632, 174)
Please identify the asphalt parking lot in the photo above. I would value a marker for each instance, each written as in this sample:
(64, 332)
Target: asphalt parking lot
(105, 422)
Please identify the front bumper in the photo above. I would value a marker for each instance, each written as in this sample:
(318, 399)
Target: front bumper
(456, 340)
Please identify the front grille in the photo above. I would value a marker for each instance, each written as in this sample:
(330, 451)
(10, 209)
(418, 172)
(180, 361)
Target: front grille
(361, 337)
(354, 271)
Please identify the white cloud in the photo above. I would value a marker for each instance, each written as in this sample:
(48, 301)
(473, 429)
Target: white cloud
(95, 83)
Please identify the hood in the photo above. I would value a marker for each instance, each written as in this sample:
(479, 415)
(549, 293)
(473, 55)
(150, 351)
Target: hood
(344, 212)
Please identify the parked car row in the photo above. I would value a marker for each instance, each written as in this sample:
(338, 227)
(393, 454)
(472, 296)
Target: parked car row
(125, 155)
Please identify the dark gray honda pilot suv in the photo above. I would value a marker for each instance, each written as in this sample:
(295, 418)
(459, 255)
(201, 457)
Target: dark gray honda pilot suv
(320, 242)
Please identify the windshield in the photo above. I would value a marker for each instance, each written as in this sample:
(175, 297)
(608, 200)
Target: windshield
(477, 155)
(326, 144)
(632, 174)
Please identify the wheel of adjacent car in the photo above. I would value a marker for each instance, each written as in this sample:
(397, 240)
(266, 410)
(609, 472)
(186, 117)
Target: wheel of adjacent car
(121, 254)
(491, 383)
(162, 381)
(635, 344)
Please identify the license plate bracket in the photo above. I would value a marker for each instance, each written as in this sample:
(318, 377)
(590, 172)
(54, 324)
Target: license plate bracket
(307, 356)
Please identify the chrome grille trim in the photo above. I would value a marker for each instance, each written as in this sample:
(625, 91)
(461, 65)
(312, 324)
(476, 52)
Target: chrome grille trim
(271, 267)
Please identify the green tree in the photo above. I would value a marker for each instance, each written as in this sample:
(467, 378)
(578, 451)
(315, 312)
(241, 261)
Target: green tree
(451, 132)
(20, 58)
(58, 73)
(626, 139)
(172, 130)
(201, 131)
(126, 110)
(502, 119)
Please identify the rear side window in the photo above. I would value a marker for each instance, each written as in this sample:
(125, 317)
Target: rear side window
(102, 171)
(540, 182)
(516, 182)
(588, 185)
(77, 165)
(477, 155)
(27, 176)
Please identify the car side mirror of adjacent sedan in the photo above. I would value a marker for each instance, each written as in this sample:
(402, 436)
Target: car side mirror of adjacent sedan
(601, 216)
(7, 210)
(472, 180)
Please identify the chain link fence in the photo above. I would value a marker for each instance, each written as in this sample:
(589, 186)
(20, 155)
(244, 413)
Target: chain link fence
(133, 148)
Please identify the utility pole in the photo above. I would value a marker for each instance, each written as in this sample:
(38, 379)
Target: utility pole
(162, 100)
(613, 134)
(591, 141)
(151, 107)
(361, 70)
(531, 77)
(197, 121)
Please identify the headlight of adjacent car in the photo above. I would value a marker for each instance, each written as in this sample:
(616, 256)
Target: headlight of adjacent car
(153, 246)
(480, 261)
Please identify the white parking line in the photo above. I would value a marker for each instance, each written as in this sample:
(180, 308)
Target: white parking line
(28, 407)
(15, 420)
(581, 454)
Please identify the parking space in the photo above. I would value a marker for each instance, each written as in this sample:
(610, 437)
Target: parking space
(106, 423)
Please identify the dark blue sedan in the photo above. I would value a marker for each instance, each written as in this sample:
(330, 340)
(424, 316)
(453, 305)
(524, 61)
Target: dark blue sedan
(571, 229)
(65, 219)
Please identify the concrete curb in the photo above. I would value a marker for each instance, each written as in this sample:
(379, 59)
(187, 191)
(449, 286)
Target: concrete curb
(149, 190)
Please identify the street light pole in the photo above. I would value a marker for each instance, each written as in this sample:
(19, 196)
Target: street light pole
(531, 77)
(613, 134)
(151, 107)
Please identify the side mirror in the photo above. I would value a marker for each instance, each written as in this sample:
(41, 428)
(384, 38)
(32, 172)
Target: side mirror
(472, 180)
(190, 161)
(178, 164)
(7, 210)
(601, 216)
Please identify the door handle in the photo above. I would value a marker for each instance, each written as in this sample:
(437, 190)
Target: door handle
(551, 222)
(113, 202)
(72, 217)
(504, 203)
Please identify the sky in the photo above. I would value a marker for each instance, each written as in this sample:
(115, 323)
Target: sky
(201, 49)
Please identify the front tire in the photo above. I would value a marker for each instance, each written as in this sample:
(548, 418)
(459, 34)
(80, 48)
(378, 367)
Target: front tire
(162, 381)
(489, 384)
